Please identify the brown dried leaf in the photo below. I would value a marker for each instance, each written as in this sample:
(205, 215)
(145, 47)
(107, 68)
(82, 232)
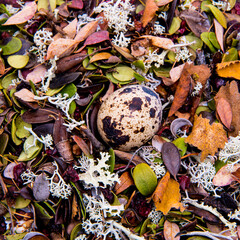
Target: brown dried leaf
(37, 74)
(86, 31)
(128, 156)
(82, 144)
(230, 93)
(161, 42)
(170, 230)
(25, 95)
(176, 72)
(149, 12)
(126, 181)
(182, 90)
(219, 31)
(162, 2)
(2, 66)
(100, 56)
(208, 138)
(123, 52)
(225, 176)
(61, 48)
(24, 15)
(224, 112)
(139, 48)
(229, 69)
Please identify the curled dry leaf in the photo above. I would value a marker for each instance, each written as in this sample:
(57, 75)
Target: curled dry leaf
(2, 66)
(126, 181)
(157, 142)
(229, 69)
(25, 95)
(61, 48)
(177, 124)
(170, 230)
(206, 137)
(160, 42)
(24, 15)
(224, 112)
(124, 53)
(37, 74)
(149, 12)
(171, 158)
(224, 176)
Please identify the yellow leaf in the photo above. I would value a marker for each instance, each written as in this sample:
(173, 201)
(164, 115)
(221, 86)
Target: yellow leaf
(208, 138)
(171, 198)
(24, 15)
(170, 230)
(218, 15)
(43, 4)
(100, 56)
(229, 69)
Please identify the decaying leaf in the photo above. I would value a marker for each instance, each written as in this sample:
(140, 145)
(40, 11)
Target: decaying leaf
(97, 37)
(182, 90)
(229, 69)
(176, 72)
(162, 2)
(149, 12)
(82, 144)
(171, 158)
(24, 15)
(224, 112)
(230, 93)
(37, 74)
(219, 33)
(41, 188)
(225, 176)
(208, 138)
(25, 95)
(2, 66)
(100, 56)
(165, 43)
(170, 230)
(196, 21)
(126, 181)
(61, 48)
(171, 198)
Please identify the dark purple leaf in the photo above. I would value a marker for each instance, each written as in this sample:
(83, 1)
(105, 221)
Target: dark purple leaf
(97, 37)
(171, 158)
(41, 115)
(63, 79)
(83, 101)
(41, 188)
(44, 129)
(26, 192)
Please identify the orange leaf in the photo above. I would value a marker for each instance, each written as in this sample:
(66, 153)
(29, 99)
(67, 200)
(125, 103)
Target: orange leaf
(149, 12)
(86, 31)
(182, 90)
(100, 56)
(170, 230)
(2, 66)
(230, 93)
(224, 111)
(208, 138)
(157, 196)
(125, 182)
(82, 144)
(160, 42)
(24, 15)
(61, 48)
(171, 198)
(229, 69)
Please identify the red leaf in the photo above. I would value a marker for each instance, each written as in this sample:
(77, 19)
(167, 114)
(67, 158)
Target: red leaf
(76, 4)
(97, 37)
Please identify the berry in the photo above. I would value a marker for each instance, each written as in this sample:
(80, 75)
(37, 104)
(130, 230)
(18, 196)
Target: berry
(140, 205)
(108, 195)
(70, 174)
(17, 171)
(184, 182)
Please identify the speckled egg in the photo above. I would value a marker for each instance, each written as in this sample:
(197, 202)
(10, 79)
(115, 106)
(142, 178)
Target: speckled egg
(129, 117)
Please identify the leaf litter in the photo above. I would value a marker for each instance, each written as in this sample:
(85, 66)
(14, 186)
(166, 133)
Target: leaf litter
(60, 60)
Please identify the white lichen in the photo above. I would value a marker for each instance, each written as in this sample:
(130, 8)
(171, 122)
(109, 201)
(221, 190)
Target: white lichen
(153, 57)
(222, 5)
(151, 82)
(120, 40)
(95, 172)
(182, 53)
(197, 88)
(155, 216)
(117, 14)
(28, 177)
(158, 29)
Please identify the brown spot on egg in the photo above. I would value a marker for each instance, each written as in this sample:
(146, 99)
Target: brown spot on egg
(152, 112)
(135, 104)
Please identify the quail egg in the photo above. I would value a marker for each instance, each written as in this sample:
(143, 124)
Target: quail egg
(129, 117)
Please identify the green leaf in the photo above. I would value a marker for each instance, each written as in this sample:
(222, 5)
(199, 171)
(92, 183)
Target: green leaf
(218, 15)
(75, 231)
(176, 23)
(18, 61)
(21, 132)
(123, 73)
(4, 137)
(70, 89)
(21, 202)
(181, 145)
(230, 55)
(88, 66)
(12, 46)
(15, 139)
(42, 213)
(213, 39)
(7, 80)
(111, 161)
(139, 64)
(144, 178)
(204, 6)
(192, 38)
(17, 236)
(205, 38)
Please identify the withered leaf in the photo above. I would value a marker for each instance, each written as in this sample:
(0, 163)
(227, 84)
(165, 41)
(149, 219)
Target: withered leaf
(182, 90)
(175, 73)
(171, 198)
(41, 115)
(82, 144)
(161, 42)
(219, 31)
(126, 181)
(2, 66)
(128, 156)
(170, 230)
(37, 74)
(196, 21)
(76, 4)
(162, 2)
(229, 69)
(171, 158)
(97, 37)
(208, 138)
(149, 12)
(41, 189)
(25, 95)
(24, 15)
(100, 56)
(224, 112)
(230, 93)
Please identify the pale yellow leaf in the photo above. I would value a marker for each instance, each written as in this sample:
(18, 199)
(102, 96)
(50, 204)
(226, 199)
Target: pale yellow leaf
(175, 73)
(170, 230)
(219, 31)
